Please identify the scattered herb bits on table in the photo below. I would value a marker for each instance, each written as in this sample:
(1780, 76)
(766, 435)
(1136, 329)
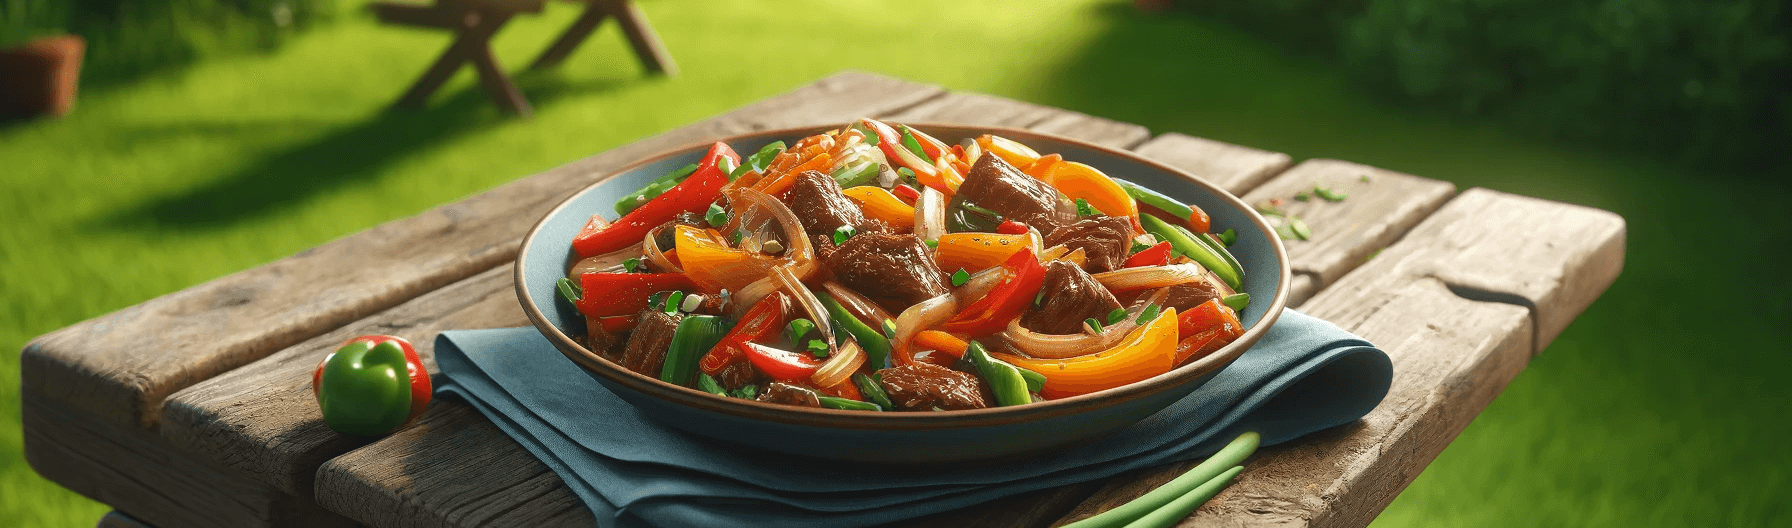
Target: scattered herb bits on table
(876, 268)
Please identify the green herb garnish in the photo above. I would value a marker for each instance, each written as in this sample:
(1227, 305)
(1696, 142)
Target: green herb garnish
(748, 392)
(1328, 194)
(889, 329)
(1084, 209)
(1237, 301)
(630, 265)
(907, 175)
(1149, 314)
(818, 347)
(798, 328)
(672, 302)
(717, 216)
(709, 385)
(960, 277)
(1302, 196)
(1228, 237)
(932, 243)
(1114, 317)
(1093, 324)
(568, 291)
(843, 233)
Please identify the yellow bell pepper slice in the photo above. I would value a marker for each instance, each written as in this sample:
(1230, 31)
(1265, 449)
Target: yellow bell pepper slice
(1146, 352)
(1077, 180)
(1009, 150)
(712, 265)
(882, 206)
(976, 251)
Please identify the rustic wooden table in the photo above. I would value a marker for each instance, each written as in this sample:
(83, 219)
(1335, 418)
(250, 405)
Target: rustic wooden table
(194, 408)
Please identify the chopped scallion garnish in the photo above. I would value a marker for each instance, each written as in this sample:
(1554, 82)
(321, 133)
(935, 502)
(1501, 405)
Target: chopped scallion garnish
(1328, 194)
(960, 277)
(630, 265)
(1093, 324)
(1228, 237)
(1117, 315)
(1149, 314)
(717, 216)
(818, 347)
(1084, 209)
(568, 291)
(797, 329)
(748, 392)
(709, 385)
(843, 233)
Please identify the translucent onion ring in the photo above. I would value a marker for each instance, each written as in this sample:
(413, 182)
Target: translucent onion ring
(840, 366)
(1150, 276)
(859, 306)
(651, 250)
(1049, 346)
(930, 214)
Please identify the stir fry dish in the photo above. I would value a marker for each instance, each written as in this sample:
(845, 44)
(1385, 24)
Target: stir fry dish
(876, 268)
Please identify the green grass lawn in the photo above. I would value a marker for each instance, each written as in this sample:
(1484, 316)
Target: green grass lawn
(1663, 405)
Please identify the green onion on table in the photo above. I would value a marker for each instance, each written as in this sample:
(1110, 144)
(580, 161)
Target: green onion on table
(1174, 500)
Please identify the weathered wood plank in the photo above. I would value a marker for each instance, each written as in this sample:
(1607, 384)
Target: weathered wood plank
(1375, 212)
(126, 467)
(1452, 355)
(262, 420)
(453, 468)
(1233, 168)
(118, 519)
(119, 367)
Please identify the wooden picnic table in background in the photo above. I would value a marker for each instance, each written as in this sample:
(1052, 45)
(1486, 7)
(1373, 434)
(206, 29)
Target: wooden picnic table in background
(475, 21)
(194, 408)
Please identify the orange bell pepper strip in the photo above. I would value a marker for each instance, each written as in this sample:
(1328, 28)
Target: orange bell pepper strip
(1146, 352)
(1010, 150)
(940, 342)
(776, 186)
(714, 266)
(883, 206)
(1077, 180)
(1045, 168)
(976, 251)
(1023, 278)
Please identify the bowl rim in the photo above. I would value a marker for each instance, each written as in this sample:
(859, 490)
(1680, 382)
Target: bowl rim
(837, 418)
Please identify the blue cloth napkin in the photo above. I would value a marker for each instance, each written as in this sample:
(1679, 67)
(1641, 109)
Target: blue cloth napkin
(1303, 376)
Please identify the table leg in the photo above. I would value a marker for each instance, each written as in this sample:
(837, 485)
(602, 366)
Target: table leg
(497, 85)
(573, 37)
(647, 43)
(471, 41)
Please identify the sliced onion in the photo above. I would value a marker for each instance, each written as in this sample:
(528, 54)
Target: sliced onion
(1053, 346)
(817, 313)
(1054, 253)
(606, 263)
(799, 253)
(930, 214)
(971, 150)
(1219, 285)
(1151, 276)
(1036, 242)
(840, 366)
(651, 250)
(856, 304)
(981, 283)
(921, 317)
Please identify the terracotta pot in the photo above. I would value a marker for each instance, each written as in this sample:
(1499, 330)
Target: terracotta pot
(39, 78)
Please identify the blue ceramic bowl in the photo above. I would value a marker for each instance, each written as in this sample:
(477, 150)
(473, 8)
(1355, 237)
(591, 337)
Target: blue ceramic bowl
(924, 437)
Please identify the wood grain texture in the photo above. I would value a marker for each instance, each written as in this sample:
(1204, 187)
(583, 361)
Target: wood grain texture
(118, 368)
(262, 419)
(118, 519)
(1372, 215)
(451, 468)
(126, 467)
(1233, 168)
(1452, 355)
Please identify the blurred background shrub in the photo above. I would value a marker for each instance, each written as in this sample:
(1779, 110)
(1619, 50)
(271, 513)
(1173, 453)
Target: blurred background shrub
(1706, 81)
(128, 38)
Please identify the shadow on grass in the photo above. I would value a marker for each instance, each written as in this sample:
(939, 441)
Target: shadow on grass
(285, 179)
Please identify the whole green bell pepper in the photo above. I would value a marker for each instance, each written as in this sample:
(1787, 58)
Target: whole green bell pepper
(371, 385)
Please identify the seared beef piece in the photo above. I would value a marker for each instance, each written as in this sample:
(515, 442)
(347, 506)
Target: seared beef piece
(739, 374)
(603, 343)
(1071, 296)
(995, 185)
(1181, 297)
(1103, 239)
(923, 386)
(894, 271)
(646, 351)
(789, 395)
(821, 207)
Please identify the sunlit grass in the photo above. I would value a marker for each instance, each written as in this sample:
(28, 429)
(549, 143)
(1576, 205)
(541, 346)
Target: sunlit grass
(1658, 407)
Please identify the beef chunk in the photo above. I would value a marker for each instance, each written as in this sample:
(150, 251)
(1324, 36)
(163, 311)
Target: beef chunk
(603, 343)
(1071, 296)
(894, 271)
(1182, 296)
(995, 185)
(739, 374)
(822, 208)
(923, 386)
(1104, 240)
(646, 351)
(788, 394)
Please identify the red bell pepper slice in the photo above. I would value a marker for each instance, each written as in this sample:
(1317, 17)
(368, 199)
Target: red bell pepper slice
(1024, 277)
(613, 294)
(782, 365)
(1157, 255)
(763, 320)
(906, 193)
(1010, 227)
(1205, 328)
(694, 195)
